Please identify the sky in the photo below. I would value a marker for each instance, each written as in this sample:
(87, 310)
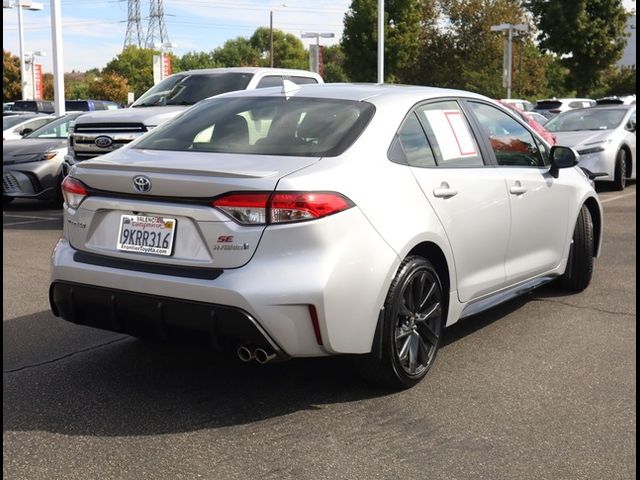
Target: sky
(93, 31)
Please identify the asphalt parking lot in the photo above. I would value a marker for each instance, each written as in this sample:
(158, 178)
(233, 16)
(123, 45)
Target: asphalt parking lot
(540, 388)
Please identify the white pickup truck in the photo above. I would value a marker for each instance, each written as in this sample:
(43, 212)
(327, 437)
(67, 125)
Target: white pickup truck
(97, 133)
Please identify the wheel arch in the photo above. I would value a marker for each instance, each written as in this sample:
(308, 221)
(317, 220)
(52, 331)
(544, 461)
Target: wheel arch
(629, 164)
(596, 216)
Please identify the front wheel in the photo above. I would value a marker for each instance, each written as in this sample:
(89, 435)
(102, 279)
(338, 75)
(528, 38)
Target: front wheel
(620, 174)
(411, 328)
(580, 267)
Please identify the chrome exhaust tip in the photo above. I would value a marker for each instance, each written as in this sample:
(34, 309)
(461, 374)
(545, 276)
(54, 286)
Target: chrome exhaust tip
(244, 354)
(262, 356)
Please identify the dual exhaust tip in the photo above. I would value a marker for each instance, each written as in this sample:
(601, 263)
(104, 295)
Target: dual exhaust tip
(260, 355)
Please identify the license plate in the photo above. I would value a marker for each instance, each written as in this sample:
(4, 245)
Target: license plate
(146, 234)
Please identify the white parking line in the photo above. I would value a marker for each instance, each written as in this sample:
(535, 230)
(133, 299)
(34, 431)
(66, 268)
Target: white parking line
(617, 197)
(30, 216)
(29, 221)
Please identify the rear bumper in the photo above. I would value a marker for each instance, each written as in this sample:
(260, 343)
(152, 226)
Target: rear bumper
(155, 316)
(343, 272)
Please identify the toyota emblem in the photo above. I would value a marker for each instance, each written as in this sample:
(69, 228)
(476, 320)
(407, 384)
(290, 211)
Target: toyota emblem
(141, 184)
(103, 141)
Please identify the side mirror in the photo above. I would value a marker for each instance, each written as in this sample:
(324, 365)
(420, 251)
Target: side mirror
(26, 131)
(562, 157)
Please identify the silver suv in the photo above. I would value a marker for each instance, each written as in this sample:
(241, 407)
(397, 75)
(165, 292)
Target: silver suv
(102, 132)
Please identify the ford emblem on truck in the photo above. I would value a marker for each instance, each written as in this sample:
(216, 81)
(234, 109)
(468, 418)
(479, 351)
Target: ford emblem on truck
(103, 141)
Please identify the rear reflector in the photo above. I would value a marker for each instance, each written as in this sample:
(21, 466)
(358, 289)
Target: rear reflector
(316, 324)
(73, 191)
(281, 207)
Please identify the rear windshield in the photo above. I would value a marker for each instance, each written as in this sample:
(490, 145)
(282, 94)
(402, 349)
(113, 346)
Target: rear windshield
(77, 105)
(264, 126)
(548, 105)
(184, 89)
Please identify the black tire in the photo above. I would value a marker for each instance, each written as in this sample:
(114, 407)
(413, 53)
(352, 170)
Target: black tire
(620, 173)
(6, 199)
(411, 327)
(580, 267)
(58, 200)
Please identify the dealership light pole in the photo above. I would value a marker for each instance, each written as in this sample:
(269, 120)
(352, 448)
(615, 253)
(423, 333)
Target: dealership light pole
(380, 41)
(29, 5)
(29, 57)
(317, 36)
(163, 47)
(509, 28)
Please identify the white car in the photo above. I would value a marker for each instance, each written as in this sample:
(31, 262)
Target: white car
(323, 220)
(14, 127)
(605, 138)
(552, 106)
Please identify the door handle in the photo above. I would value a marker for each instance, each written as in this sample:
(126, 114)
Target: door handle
(444, 191)
(517, 189)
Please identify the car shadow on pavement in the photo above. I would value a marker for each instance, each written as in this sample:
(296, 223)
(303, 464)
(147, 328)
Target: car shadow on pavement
(103, 384)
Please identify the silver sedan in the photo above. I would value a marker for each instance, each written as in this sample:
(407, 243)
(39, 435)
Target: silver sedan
(323, 220)
(605, 138)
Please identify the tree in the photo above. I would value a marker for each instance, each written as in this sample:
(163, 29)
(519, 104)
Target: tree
(588, 35)
(10, 77)
(47, 87)
(109, 86)
(334, 64)
(195, 61)
(288, 50)
(617, 81)
(236, 53)
(402, 39)
(136, 66)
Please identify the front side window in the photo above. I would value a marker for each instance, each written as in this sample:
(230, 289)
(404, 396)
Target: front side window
(512, 144)
(264, 126)
(449, 135)
(270, 81)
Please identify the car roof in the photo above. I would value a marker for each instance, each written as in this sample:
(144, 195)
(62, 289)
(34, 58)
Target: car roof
(277, 71)
(359, 92)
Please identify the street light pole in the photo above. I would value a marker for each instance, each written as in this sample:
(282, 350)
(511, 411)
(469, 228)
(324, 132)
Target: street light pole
(380, 41)
(58, 66)
(29, 5)
(507, 74)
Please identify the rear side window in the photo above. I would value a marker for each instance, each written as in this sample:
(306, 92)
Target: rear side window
(264, 126)
(411, 146)
(449, 135)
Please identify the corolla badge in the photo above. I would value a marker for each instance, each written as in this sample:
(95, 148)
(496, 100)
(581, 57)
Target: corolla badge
(141, 184)
(103, 141)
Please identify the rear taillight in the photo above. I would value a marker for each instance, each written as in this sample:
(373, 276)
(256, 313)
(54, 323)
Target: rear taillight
(281, 207)
(73, 191)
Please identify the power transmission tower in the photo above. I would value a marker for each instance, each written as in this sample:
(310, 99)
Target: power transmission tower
(134, 25)
(157, 31)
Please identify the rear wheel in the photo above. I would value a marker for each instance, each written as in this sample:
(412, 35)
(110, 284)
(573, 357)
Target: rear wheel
(620, 175)
(580, 268)
(411, 328)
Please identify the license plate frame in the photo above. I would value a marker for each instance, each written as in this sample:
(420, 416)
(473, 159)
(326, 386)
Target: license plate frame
(160, 236)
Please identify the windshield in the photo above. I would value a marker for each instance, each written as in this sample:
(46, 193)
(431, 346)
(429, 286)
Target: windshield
(264, 126)
(184, 89)
(586, 119)
(13, 120)
(59, 128)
